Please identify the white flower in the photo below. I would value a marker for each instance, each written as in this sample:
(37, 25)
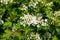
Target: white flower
(39, 19)
(38, 25)
(57, 13)
(24, 7)
(34, 36)
(20, 17)
(42, 2)
(27, 18)
(8, 17)
(45, 20)
(14, 29)
(24, 25)
(37, 37)
(33, 4)
(47, 35)
(1, 21)
(34, 18)
(6, 1)
(36, 2)
(29, 24)
(44, 24)
(31, 20)
(21, 23)
(11, 0)
(1, 1)
(34, 21)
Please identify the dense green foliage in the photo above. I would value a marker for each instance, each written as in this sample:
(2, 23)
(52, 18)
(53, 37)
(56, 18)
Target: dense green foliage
(14, 16)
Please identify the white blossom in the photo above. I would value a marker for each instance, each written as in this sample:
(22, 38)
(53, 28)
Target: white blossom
(33, 4)
(38, 25)
(1, 22)
(1, 1)
(6, 1)
(42, 2)
(29, 24)
(24, 7)
(37, 37)
(33, 21)
(14, 29)
(24, 25)
(45, 20)
(36, 2)
(21, 23)
(47, 35)
(44, 24)
(29, 19)
(57, 13)
(20, 17)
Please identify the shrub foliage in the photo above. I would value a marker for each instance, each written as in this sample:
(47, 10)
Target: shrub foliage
(29, 19)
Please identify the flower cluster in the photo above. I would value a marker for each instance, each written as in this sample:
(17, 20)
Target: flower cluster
(34, 36)
(6, 1)
(33, 4)
(47, 35)
(29, 19)
(57, 13)
(24, 7)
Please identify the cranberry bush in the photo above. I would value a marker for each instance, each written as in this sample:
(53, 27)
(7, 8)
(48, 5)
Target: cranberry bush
(29, 19)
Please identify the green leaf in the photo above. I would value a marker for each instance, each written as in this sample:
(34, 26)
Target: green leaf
(55, 38)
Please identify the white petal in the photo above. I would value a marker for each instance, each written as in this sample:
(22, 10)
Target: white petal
(29, 24)
(21, 17)
(38, 25)
(45, 20)
(34, 17)
(2, 21)
(44, 24)
(21, 23)
(24, 25)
